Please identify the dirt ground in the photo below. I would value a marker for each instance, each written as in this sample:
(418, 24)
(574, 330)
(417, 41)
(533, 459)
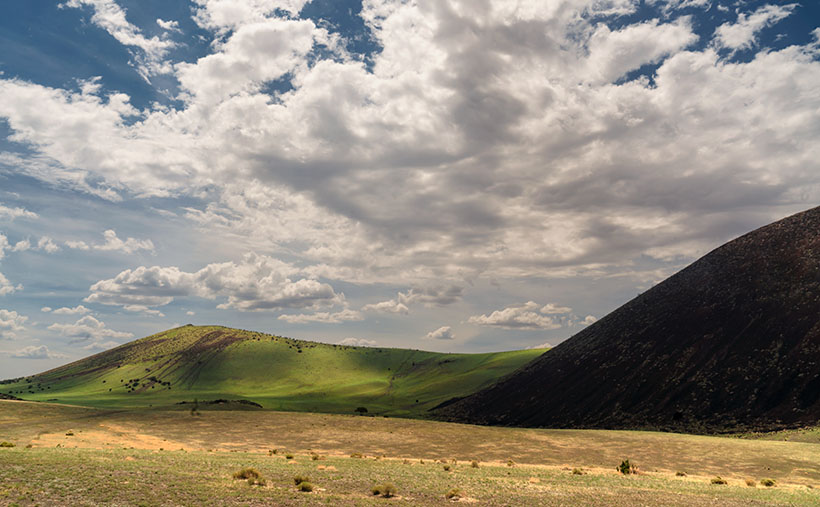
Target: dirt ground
(50, 425)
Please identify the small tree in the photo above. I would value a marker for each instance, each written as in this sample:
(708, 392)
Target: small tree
(361, 410)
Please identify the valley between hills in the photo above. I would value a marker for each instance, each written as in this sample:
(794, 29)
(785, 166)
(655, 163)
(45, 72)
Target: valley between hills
(721, 357)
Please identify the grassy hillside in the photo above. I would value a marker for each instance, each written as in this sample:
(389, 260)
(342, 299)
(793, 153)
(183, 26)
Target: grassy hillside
(212, 362)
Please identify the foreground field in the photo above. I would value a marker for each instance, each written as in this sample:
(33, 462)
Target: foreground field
(80, 455)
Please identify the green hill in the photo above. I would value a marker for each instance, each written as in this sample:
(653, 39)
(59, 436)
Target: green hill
(213, 362)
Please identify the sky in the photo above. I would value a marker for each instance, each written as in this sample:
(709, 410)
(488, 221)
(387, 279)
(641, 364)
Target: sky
(469, 176)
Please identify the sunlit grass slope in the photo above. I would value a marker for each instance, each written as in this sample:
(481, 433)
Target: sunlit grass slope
(213, 362)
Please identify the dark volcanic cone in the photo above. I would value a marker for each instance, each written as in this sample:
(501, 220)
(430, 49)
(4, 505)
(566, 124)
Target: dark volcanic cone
(731, 342)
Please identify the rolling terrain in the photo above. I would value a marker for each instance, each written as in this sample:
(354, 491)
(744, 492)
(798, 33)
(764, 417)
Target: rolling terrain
(730, 343)
(217, 363)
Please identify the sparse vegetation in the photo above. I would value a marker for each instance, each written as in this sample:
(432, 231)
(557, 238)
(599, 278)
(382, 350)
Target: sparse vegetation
(627, 468)
(474, 464)
(299, 479)
(357, 455)
(305, 486)
(680, 474)
(47, 475)
(247, 473)
(6, 444)
(769, 483)
(387, 490)
(578, 471)
(454, 494)
(719, 480)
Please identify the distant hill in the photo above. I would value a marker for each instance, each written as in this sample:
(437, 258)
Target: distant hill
(218, 363)
(731, 342)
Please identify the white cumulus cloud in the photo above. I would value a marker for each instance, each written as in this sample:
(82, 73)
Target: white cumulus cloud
(530, 315)
(344, 315)
(442, 333)
(88, 328)
(36, 352)
(11, 323)
(742, 34)
(357, 342)
(256, 283)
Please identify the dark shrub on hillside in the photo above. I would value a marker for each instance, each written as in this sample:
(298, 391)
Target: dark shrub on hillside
(627, 468)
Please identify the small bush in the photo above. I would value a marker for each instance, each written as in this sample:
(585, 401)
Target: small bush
(314, 457)
(299, 479)
(454, 494)
(361, 410)
(627, 468)
(718, 480)
(257, 481)
(768, 482)
(272, 452)
(69, 434)
(6, 444)
(446, 468)
(680, 474)
(474, 464)
(357, 455)
(288, 456)
(510, 463)
(578, 471)
(386, 490)
(247, 473)
(305, 486)
(751, 483)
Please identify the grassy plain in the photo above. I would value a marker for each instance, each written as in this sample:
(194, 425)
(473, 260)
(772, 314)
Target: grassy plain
(214, 362)
(84, 455)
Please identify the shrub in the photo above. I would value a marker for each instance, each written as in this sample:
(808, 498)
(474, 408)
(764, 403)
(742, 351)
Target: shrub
(257, 481)
(6, 444)
(299, 479)
(288, 456)
(357, 455)
(69, 434)
(305, 486)
(454, 494)
(680, 474)
(247, 473)
(751, 483)
(768, 482)
(386, 490)
(510, 463)
(577, 471)
(718, 480)
(627, 468)
(272, 452)
(361, 410)
(446, 468)
(474, 464)
(315, 457)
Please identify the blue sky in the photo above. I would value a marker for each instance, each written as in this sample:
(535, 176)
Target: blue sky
(442, 175)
